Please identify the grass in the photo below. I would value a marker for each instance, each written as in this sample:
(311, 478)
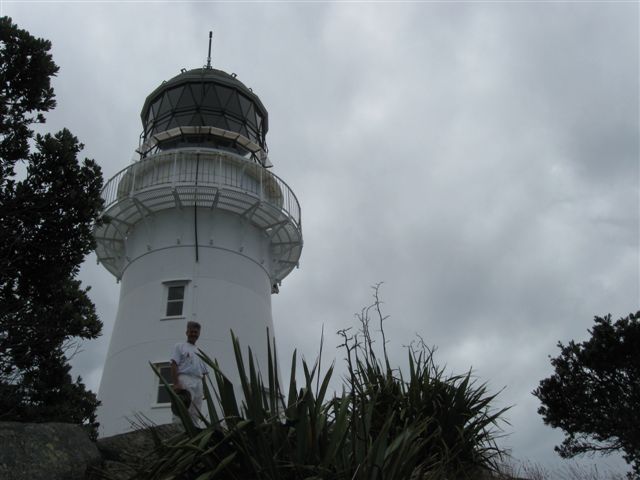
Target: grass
(569, 471)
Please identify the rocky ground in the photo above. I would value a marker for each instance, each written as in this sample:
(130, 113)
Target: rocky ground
(61, 451)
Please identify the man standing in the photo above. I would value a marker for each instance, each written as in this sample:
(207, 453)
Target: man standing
(187, 370)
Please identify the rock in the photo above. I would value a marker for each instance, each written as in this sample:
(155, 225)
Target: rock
(47, 451)
(123, 454)
(135, 445)
(112, 471)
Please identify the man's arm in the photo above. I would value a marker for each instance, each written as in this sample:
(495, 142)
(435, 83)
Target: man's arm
(174, 375)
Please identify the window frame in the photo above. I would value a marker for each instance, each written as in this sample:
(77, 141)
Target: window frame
(167, 285)
(159, 385)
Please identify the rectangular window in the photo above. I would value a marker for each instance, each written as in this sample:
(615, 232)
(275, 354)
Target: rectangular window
(162, 396)
(175, 300)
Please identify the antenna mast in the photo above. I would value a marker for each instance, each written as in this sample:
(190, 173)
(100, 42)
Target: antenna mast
(209, 56)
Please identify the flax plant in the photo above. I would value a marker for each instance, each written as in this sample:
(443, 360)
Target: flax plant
(380, 427)
(458, 428)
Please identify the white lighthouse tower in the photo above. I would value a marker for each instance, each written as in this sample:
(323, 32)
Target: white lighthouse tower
(199, 228)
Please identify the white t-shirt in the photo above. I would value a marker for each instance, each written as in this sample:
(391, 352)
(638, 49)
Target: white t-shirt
(186, 357)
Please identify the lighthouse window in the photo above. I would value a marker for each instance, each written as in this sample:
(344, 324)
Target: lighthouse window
(175, 300)
(162, 396)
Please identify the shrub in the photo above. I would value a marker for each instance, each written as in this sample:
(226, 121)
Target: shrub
(381, 426)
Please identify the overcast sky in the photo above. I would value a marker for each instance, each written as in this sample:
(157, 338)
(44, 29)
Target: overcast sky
(481, 159)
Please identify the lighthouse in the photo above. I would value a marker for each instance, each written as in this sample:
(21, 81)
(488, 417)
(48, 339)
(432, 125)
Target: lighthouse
(198, 228)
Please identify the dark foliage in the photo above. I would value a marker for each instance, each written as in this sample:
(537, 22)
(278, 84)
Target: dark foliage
(46, 222)
(26, 69)
(594, 394)
(430, 426)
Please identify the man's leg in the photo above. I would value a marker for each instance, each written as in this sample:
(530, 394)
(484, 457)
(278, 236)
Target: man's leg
(194, 386)
(196, 402)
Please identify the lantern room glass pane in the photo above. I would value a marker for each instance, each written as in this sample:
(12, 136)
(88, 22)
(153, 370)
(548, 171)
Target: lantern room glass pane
(172, 124)
(153, 110)
(196, 120)
(245, 105)
(186, 100)
(233, 106)
(234, 125)
(210, 98)
(252, 134)
(217, 121)
(164, 107)
(174, 95)
(197, 90)
(224, 94)
(160, 126)
(251, 114)
(184, 119)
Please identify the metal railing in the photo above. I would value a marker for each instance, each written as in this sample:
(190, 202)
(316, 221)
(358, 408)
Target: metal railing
(202, 168)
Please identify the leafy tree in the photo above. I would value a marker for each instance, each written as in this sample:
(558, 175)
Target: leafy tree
(26, 69)
(48, 204)
(594, 395)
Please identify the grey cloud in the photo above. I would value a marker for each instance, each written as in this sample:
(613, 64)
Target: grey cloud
(481, 159)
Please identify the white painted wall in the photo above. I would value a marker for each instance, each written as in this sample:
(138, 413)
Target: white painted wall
(228, 288)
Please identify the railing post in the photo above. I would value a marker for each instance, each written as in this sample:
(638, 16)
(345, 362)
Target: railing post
(173, 174)
(156, 174)
(133, 181)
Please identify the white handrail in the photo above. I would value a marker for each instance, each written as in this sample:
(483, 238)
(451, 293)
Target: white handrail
(175, 167)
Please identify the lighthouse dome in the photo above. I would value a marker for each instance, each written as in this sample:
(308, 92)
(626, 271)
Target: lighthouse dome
(202, 106)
